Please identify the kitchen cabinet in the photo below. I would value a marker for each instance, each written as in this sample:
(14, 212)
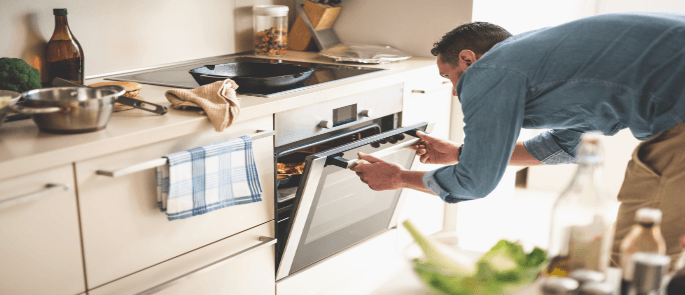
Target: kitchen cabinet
(427, 99)
(337, 272)
(123, 229)
(240, 264)
(40, 251)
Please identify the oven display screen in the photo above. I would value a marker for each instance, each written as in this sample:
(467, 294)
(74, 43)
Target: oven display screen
(345, 115)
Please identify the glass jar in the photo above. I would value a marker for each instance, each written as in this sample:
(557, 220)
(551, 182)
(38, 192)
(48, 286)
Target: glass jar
(581, 234)
(270, 29)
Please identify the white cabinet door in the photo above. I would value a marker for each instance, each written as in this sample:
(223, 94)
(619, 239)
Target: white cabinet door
(123, 229)
(429, 100)
(240, 264)
(40, 252)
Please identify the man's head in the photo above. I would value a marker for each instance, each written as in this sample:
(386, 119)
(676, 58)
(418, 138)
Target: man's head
(461, 47)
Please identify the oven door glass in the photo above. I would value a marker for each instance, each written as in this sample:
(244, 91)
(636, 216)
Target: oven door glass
(335, 209)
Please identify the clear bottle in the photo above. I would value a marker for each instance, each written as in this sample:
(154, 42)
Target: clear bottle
(64, 55)
(271, 29)
(582, 217)
(645, 236)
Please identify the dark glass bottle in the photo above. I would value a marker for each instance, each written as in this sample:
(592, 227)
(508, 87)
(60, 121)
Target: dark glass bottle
(64, 55)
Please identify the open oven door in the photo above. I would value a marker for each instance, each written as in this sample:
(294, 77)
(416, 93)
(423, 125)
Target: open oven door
(335, 210)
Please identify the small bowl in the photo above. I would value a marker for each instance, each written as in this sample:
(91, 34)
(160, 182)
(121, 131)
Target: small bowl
(14, 97)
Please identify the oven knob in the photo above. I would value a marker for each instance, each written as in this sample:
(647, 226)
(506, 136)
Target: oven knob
(326, 124)
(366, 113)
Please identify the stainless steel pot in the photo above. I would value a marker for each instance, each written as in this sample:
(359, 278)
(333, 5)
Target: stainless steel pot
(70, 109)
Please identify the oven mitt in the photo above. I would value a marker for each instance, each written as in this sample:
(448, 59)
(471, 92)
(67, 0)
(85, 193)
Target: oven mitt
(218, 100)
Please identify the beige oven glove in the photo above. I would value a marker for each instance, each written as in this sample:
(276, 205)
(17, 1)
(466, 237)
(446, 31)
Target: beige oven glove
(218, 100)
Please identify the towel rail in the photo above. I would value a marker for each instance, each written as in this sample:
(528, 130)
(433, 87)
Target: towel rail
(265, 242)
(161, 161)
(48, 190)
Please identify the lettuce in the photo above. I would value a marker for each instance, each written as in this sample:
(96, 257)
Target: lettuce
(503, 269)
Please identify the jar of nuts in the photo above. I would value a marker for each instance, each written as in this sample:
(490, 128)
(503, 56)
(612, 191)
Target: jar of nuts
(270, 29)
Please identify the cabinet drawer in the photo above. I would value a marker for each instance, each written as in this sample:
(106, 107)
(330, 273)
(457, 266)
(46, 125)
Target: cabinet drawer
(123, 229)
(249, 270)
(40, 251)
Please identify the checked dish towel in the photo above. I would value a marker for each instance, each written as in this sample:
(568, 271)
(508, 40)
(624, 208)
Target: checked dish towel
(208, 178)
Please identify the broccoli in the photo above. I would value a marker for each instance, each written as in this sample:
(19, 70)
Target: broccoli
(17, 75)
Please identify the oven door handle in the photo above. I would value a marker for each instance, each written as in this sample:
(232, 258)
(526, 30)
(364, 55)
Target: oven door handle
(349, 164)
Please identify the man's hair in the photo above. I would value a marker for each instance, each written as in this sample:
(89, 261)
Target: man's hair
(478, 37)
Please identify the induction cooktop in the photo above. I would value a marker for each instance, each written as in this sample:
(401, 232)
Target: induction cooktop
(179, 77)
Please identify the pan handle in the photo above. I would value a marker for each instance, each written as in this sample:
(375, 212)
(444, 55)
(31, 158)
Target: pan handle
(33, 111)
(143, 105)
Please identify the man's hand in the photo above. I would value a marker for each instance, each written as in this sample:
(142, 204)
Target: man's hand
(433, 150)
(378, 174)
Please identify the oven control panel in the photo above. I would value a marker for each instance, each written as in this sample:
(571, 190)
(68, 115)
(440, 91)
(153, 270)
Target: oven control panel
(301, 123)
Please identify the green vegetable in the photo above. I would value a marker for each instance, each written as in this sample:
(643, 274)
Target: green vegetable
(449, 262)
(501, 270)
(17, 75)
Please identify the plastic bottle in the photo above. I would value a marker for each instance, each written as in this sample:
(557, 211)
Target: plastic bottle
(64, 55)
(645, 236)
(581, 235)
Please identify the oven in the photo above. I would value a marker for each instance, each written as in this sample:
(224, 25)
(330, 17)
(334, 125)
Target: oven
(321, 205)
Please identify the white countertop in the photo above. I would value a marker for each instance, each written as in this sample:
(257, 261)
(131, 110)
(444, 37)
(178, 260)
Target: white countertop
(24, 149)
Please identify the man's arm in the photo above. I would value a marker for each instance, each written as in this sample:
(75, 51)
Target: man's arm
(521, 157)
(433, 150)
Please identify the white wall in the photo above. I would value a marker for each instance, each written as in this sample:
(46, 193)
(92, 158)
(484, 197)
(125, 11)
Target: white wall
(408, 25)
(130, 34)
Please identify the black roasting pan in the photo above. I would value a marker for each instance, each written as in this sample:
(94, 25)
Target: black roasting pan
(253, 75)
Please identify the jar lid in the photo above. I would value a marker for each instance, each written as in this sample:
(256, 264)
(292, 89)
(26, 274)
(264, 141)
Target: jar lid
(559, 286)
(59, 11)
(270, 10)
(586, 275)
(649, 215)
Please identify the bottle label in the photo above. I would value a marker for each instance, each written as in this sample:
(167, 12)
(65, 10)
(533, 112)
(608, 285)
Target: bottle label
(586, 248)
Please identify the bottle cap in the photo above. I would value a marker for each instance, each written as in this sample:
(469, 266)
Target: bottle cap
(559, 286)
(648, 271)
(59, 11)
(592, 137)
(648, 215)
(596, 288)
(270, 10)
(587, 276)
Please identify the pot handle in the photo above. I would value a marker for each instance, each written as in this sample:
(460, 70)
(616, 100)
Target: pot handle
(33, 111)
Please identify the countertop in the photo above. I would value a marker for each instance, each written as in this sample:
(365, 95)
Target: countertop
(24, 149)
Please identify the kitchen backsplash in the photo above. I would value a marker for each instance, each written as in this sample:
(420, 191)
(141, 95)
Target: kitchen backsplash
(130, 34)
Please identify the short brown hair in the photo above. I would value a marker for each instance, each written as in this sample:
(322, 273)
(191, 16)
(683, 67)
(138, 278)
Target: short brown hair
(478, 37)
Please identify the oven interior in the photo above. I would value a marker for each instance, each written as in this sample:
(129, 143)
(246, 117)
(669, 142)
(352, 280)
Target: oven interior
(290, 164)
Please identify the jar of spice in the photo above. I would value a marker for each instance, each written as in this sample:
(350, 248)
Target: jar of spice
(270, 29)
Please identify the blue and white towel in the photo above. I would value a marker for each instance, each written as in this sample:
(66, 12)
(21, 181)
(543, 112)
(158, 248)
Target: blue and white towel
(208, 178)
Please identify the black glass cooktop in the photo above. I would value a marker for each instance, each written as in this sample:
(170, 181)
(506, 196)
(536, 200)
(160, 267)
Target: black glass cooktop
(180, 78)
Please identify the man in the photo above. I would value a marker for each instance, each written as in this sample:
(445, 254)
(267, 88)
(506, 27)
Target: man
(603, 73)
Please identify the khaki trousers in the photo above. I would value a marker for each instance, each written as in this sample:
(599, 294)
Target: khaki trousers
(655, 178)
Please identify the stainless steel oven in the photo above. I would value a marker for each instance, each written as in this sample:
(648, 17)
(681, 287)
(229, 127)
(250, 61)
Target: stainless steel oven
(322, 206)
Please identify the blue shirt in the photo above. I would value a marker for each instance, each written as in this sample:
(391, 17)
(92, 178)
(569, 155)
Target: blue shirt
(603, 73)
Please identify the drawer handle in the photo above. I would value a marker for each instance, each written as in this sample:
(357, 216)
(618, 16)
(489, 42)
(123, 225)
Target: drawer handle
(265, 242)
(161, 161)
(426, 91)
(50, 189)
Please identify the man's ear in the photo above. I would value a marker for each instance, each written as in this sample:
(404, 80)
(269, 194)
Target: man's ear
(467, 56)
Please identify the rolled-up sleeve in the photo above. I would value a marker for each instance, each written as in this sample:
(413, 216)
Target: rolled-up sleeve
(493, 102)
(557, 146)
